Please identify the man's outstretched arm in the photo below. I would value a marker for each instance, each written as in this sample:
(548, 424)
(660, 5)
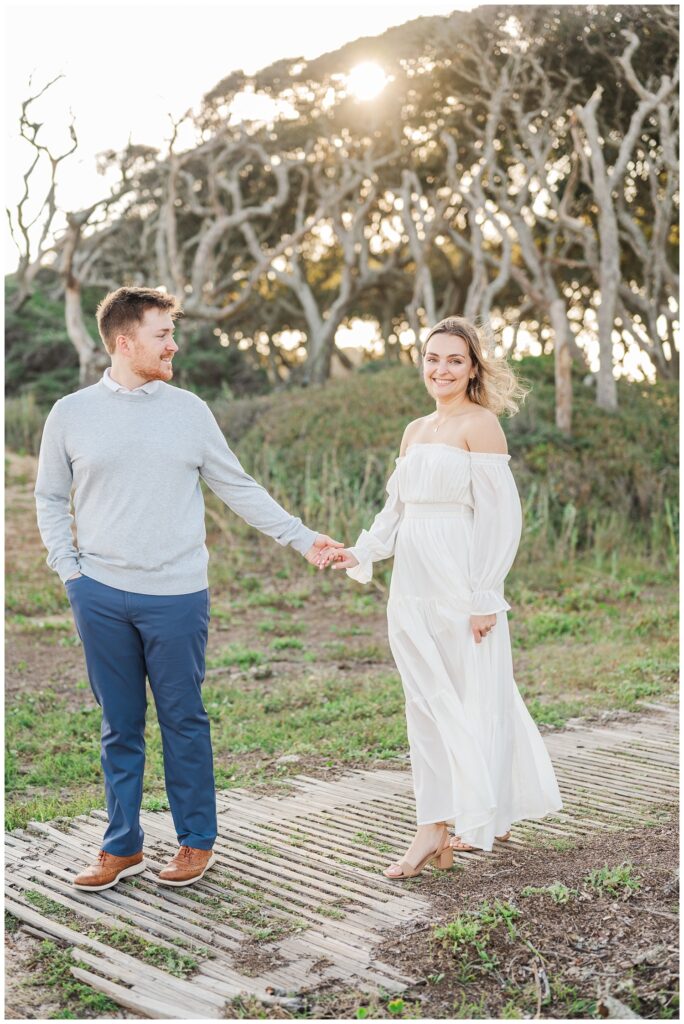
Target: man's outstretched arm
(223, 473)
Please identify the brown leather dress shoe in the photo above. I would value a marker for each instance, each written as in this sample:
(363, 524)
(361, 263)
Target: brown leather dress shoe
(107, 871)
(187, 866)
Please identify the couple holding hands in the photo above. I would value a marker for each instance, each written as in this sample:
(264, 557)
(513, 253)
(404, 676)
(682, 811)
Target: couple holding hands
(133, 449)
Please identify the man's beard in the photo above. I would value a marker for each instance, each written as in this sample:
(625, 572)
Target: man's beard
(151, 370)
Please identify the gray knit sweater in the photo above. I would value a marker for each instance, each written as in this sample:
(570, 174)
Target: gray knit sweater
(134, 463)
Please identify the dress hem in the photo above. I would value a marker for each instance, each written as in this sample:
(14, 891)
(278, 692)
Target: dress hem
(464, 834)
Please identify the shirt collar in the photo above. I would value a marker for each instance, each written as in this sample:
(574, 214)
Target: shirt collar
(148, 388)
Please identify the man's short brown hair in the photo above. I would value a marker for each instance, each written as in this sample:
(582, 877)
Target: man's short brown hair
(123, 309)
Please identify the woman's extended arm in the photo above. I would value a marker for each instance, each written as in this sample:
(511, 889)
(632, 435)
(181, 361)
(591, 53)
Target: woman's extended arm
(378, 542)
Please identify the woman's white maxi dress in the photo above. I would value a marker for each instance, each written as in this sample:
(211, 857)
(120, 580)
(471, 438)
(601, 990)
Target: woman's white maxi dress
(453, 522)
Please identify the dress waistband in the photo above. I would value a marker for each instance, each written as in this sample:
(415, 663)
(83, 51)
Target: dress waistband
(435, 509)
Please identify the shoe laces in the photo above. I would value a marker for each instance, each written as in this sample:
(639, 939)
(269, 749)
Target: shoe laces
(186, 851)
(102, 856)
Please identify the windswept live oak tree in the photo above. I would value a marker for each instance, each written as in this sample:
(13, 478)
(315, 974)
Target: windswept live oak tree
(32, 211)
(520, 166)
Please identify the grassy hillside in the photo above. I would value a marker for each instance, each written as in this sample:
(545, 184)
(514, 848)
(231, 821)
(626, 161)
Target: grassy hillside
(327, 452)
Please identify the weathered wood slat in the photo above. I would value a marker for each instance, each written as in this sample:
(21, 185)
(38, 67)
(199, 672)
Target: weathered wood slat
(309, 873)
(84, 942)
(335, 842)
(604, 762)
(307, 839)
(625, 768)
(270, 809)
(347, 832)
(588, 800)
(316, 871)
(108, 970)
(148, 893)
(601, 799)
(576, 778)
(111, 900)
(129, 973)
(140, 1002)
(618, 780)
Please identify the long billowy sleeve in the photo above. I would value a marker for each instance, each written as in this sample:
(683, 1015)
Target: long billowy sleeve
(377, 543)
(497, 526)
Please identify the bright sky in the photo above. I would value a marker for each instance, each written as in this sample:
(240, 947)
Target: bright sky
(128, 67)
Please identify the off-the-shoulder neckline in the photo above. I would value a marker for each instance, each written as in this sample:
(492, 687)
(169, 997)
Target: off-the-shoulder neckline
(455, 448)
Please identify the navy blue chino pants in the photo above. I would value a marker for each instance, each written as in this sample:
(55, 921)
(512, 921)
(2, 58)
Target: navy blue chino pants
(127, 637)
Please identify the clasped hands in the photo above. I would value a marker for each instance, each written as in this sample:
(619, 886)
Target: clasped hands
(336, 554)
(326, 552)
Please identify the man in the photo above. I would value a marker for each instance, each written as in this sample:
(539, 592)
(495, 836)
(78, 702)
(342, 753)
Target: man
(134, 449)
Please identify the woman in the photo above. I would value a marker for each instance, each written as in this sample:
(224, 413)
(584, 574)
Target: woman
(453, 522)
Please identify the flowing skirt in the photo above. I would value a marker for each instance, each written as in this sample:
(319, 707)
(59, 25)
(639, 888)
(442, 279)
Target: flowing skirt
(477, 757)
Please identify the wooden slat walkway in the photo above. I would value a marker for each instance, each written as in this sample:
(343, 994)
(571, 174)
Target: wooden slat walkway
(298, 879)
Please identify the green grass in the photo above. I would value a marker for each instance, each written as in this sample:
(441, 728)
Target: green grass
(470, 1009)
(286, 601)
(12, 923)
(477, 948)
(619, 881)
(235, 654)
(172, 960)
(462, 931)
(50, 907)
(574, 1004)
(284, 627)
(382, 1006)
(556, 713)
(473, 928)
(557, 891)
(469, 939)
(351, 631)
(27, 599)
(334, 912)
(31, 626)
(52, 964)
(366, 839)
(287, 643)
(51, 749)
(337, 650)
(52, 968)
(52, 760)
(262, 848)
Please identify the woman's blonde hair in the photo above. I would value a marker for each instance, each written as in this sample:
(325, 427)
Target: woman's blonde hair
(495, 385)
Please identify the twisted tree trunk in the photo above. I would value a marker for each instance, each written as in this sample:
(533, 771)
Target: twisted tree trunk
(92, 359)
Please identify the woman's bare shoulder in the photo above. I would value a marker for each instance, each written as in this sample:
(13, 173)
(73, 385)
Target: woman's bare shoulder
(484, 433)
(412, 431)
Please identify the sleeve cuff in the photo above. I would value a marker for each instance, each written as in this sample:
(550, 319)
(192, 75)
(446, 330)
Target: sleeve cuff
(488, 602)
(363, 572)
(66, 567)
(304, 540)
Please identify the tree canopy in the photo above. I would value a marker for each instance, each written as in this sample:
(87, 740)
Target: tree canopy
(519, 166)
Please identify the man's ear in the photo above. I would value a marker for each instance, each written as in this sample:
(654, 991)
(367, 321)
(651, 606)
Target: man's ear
(124, 345)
